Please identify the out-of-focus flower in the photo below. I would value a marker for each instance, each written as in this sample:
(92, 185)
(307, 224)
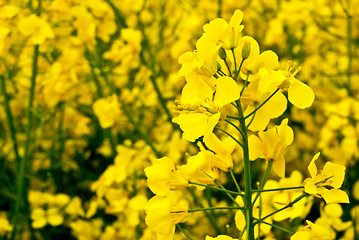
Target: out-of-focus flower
(107, 110)
(36, 28)
(312, 231)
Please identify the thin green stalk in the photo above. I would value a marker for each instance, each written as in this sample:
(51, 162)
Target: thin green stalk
(285, 207)
(274, 225)
(230, 135)
(10, 119)
(184, 232)
(235, 180)
(215, 188)
(264, 180)
(253, 116)
(277, 189)
(210, 217)
(265, 101)
(21, 193)
(229, 69)
(214, 208)
(244, 85)
(349, 46)
(243, 231)
(228, 194)
(233, 125)
(247, 176)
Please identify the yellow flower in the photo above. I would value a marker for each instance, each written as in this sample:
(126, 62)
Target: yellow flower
(5, 225)
(331, 176)
(225, 33)
(271, 144)
(199, 168)
(299, 94)
(162, 177)
(256, 60)
(107, 110)
(222, 151)
(41, 217)
(312, 231)
(254, 96)
(203, 60)
(36, 28)
(162, 217)
(200, 107)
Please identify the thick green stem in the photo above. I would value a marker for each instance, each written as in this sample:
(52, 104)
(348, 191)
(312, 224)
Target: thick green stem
(10, 119)
(21, 191)
(247, 176)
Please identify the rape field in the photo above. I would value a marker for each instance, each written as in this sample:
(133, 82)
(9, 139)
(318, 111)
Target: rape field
(199, 120)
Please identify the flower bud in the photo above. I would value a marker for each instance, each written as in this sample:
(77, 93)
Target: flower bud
(246, 50)
(222, 53)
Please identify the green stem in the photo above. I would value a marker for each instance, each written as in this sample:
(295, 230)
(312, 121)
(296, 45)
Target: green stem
(247, 175)
(184, 232)
(244, 85)
(229, 69)
(265, 101)
(213, 208)
(10, 119)
(277, 189)
(215, 188)
(21, 193)
(233, 125)
(230, 135)
(274, 225)
(253, 116)
(209, 216)
(349, 46)
(234, 180)
(285, 207)
(228, 194)
(264, 180)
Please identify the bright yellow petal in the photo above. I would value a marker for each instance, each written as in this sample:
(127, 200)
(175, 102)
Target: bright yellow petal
(255, 146)
(335, 196)
(227, 91)
(312, 167)
(279, 166)
(336, 173)
(300, 94)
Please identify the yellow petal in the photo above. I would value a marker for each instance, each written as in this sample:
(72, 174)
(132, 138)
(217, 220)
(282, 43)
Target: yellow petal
(255, 146)
(312, 167)
(279, 166)
(193, 125)
(300, 94)
(335, 196)
(336, 173)
(227, 91)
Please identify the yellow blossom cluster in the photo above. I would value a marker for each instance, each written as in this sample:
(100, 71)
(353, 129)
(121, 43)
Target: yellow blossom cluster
(154, 119)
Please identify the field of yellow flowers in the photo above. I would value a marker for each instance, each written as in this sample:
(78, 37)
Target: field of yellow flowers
(179, 119)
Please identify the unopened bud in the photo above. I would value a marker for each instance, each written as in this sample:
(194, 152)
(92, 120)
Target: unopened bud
(246, 50)
(218, 66)
(222, 53)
